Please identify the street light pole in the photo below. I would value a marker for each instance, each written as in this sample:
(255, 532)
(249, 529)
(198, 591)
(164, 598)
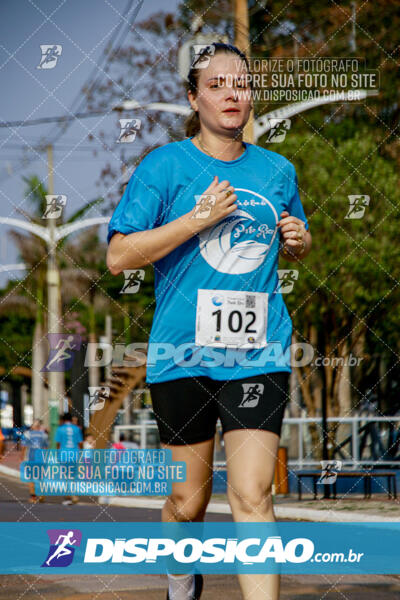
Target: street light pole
(53, 287)
(242, 42)
(51, 235)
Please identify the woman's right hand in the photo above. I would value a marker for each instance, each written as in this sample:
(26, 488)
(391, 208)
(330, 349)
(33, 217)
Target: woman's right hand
(140, 248)
(217, 202)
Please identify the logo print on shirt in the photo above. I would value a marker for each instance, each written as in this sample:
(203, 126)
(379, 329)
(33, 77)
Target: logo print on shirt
(251, 394)
(217, 300)
(229, 254)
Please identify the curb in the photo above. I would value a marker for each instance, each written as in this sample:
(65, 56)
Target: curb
(9, 471)
(285, 512)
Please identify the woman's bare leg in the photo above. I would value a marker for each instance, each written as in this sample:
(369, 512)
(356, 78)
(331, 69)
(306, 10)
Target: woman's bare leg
(189, 499)
(252, 451)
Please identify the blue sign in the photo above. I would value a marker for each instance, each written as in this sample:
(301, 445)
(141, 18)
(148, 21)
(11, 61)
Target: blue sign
(225, 548)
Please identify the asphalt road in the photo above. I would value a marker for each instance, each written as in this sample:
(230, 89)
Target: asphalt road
(14, 507)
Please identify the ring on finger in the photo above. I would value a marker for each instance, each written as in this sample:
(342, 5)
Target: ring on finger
(228, 191)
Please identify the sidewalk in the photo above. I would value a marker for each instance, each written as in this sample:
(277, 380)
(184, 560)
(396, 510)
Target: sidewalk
(352, 508)
(10, 461)
(288, 507)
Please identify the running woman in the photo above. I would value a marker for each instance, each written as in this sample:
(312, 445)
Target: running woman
(212, 213)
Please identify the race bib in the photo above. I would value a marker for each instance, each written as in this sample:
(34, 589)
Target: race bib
(227, 318)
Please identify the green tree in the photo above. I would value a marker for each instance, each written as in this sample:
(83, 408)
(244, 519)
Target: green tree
(348, 290)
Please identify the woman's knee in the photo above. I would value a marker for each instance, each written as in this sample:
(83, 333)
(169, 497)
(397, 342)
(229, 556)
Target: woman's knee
(250, 498)
(189, 505)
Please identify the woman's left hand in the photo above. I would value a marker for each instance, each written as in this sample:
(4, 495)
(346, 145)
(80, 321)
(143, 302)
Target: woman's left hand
(293, 233)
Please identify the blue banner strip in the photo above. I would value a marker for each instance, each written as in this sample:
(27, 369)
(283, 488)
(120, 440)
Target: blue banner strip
(225, 548)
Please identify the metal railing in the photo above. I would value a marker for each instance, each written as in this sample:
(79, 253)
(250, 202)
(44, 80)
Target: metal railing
(379, 429)
(141, 430)
(350, 448)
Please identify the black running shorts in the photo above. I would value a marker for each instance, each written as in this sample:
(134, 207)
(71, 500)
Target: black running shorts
(187, 409)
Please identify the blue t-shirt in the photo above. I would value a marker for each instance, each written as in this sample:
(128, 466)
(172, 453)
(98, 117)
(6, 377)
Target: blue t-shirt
(219, 312)
(34, 439)
(69, 436)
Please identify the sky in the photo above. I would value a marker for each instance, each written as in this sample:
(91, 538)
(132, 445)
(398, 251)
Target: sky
(83, 29)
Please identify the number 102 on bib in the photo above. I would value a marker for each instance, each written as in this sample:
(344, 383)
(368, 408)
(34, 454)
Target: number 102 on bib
(230, 318)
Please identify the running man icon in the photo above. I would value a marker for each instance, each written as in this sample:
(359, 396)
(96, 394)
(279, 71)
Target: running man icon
(62, 351)
(279, 129)
(252, 394)
(54, 206)
(61, 552)
(62, 549)
(357, 207)
(133, 279)
(50, 55)
(63, 346)
(287, 277)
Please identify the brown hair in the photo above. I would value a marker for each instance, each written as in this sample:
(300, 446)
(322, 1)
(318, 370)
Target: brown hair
(192, 123)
